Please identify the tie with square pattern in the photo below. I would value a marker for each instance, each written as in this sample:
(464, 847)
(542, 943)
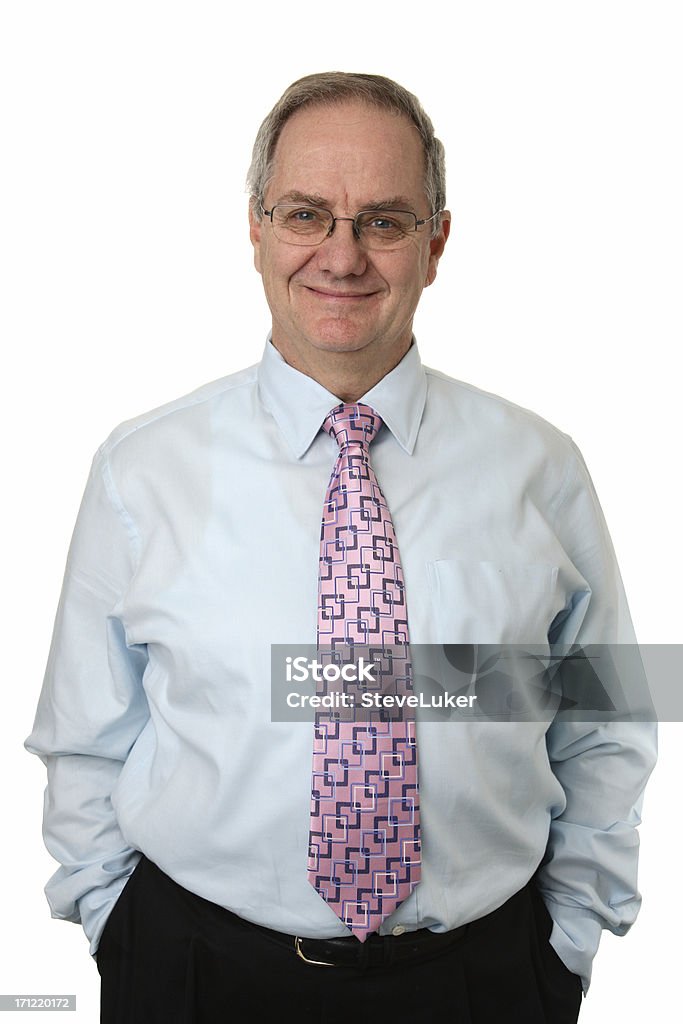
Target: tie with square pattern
(364, 845)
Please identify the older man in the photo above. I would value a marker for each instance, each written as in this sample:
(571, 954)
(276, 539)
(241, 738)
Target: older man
(223, 863)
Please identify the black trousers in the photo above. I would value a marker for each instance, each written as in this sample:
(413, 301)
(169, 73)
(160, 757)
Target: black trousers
(167, 956)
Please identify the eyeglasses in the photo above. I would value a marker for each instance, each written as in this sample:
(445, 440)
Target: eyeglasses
(374, 229)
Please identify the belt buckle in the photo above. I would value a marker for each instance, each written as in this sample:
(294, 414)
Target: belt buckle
(300, 953)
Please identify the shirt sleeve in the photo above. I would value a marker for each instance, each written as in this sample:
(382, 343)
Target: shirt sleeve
(589, 875)
(91, 710)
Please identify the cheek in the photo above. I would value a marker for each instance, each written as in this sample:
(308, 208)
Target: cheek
(410, 286)
(278, 267)
(407, 275)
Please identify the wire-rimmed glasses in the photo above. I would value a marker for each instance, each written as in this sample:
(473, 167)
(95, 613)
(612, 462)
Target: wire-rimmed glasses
(298, 224)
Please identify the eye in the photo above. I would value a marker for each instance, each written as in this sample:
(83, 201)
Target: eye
(387, 226)
(303, 215)
(384, 224)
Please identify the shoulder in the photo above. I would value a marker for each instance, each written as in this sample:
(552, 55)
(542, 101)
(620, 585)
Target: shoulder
(189, 412)
(490, 417)
(507, 442)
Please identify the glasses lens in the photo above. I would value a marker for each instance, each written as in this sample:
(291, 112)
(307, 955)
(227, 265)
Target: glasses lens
(309, 225)
(301, 225)
(388, 229)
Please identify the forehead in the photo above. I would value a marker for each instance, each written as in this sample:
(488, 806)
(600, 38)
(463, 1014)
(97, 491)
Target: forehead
(350, 152)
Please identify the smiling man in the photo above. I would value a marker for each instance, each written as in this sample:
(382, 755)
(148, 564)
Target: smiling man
(224, 864)
(343, 311)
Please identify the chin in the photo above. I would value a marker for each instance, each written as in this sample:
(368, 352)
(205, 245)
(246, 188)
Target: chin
(341, 344)
(339, 337)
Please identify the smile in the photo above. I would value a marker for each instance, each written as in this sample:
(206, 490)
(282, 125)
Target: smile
(330, 296)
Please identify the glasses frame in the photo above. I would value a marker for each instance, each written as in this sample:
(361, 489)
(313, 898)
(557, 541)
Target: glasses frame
(419, 221)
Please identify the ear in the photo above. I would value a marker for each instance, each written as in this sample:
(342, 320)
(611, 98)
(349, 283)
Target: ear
(255, 235)
(437, 246)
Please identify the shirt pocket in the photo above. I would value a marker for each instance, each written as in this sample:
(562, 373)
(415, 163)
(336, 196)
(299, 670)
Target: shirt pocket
(492, 602)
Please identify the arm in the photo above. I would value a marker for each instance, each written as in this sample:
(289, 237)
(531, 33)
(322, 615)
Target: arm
(589, 874)
(91, 710)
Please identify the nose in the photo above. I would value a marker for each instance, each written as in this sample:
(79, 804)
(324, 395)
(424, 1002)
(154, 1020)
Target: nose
(341, 254)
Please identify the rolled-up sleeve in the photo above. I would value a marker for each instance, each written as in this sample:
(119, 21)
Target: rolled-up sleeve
(589, 875)
(92, 708)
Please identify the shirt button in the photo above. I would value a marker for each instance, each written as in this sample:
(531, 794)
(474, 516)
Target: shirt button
(398, 929)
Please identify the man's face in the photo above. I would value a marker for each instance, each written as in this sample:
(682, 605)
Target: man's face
(337, 297)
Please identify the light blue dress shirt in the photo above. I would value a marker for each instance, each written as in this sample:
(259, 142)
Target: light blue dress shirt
(196, 548)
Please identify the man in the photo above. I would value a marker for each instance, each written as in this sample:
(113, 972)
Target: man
(186, 821)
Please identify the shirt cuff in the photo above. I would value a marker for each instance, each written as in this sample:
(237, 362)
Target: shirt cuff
(575, 938)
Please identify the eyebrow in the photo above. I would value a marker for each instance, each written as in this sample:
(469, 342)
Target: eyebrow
(314, 199)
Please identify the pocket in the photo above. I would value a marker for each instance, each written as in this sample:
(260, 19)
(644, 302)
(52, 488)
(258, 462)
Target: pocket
(492, 602)
(119, 906)
(556, 977)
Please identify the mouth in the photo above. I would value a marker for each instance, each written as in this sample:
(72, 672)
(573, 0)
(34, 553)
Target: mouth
(328, 295)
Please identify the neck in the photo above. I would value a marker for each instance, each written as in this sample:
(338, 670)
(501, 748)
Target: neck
(348, 375)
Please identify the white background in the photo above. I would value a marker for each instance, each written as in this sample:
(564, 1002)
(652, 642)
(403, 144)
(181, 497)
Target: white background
(126, 131)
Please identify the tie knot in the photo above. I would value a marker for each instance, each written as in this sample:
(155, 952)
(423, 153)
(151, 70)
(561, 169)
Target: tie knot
(352, 424)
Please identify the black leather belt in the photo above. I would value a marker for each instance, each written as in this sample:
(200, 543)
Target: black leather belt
(382, 950)
(376, 951)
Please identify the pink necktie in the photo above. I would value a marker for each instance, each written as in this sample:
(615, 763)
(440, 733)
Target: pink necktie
(364, 847)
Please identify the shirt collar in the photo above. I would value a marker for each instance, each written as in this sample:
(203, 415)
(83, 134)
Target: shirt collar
(299, 404)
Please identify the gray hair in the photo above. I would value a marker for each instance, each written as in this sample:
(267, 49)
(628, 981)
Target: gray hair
(332, 87)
